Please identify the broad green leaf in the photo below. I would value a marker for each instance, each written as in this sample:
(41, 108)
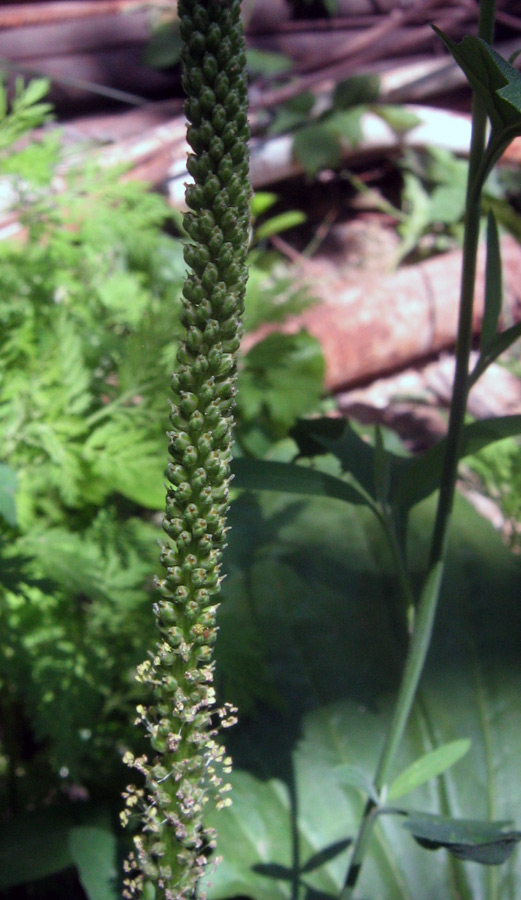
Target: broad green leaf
(484, 842)
(317, 147)
(493, 286)
(279, 223)
(39, 844)
(262, 201)
(33, 846)
(355, 91)
(313, 581)
(496, 81)
(7, 492)
(447, 204)
(423, 474)
(289, 478)
(164, 47)
(398, 118)
(354, 776)
(93, 849)
(417, 204)
(356, 456)
(346, 125)
(293, 113)
(428, 766)
(266, 62)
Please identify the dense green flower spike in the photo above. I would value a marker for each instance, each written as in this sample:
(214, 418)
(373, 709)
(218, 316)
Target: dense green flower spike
(181, 720)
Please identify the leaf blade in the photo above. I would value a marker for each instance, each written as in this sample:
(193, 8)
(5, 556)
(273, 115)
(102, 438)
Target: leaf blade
(421, 478)
(428, 766)
(7, 494)
(467, 839)
(493, 286)
(270, 475)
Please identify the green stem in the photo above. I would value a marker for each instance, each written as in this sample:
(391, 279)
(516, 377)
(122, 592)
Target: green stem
(400, 565)
(421, 636)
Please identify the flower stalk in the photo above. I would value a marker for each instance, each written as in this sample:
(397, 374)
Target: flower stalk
(181, 718)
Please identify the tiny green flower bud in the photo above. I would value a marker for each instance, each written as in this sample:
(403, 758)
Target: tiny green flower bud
(199, 478)
(207, 392)
(219, 120)
(200, 366)
(181, 594)
(197, 422)
(197, 44)
(176, 474)
(183, 540)
(173, 527)
(201, 22)
(184, 358)
(172, 508)
(225, 365)
(225, 170)
(174, 575)
(212, 187)
(222, 86)
(190, 514)
(210, 68)
(215, 242)
(204, 444)
(193, 81)
(210, 276)
(213, 37)
(216, 149)
(179, 441)
(194, 338)
(194, 194)
(225, 51)
(188, 403)
(199, 528)
(193, 111)
(203, 653)
(190, 457)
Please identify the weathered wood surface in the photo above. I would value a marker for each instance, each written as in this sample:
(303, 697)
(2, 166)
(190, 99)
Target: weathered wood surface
(372, 324)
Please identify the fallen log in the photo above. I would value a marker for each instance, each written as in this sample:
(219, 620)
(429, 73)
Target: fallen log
(16, 15)
(369, 325)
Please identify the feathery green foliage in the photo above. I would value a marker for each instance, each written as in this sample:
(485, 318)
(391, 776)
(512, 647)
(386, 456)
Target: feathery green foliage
(89, 319)
(170, 851)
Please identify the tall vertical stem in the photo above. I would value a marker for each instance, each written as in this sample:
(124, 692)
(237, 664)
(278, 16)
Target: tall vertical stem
(424, 622)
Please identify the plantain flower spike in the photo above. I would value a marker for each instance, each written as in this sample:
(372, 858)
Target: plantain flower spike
(187, 762)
